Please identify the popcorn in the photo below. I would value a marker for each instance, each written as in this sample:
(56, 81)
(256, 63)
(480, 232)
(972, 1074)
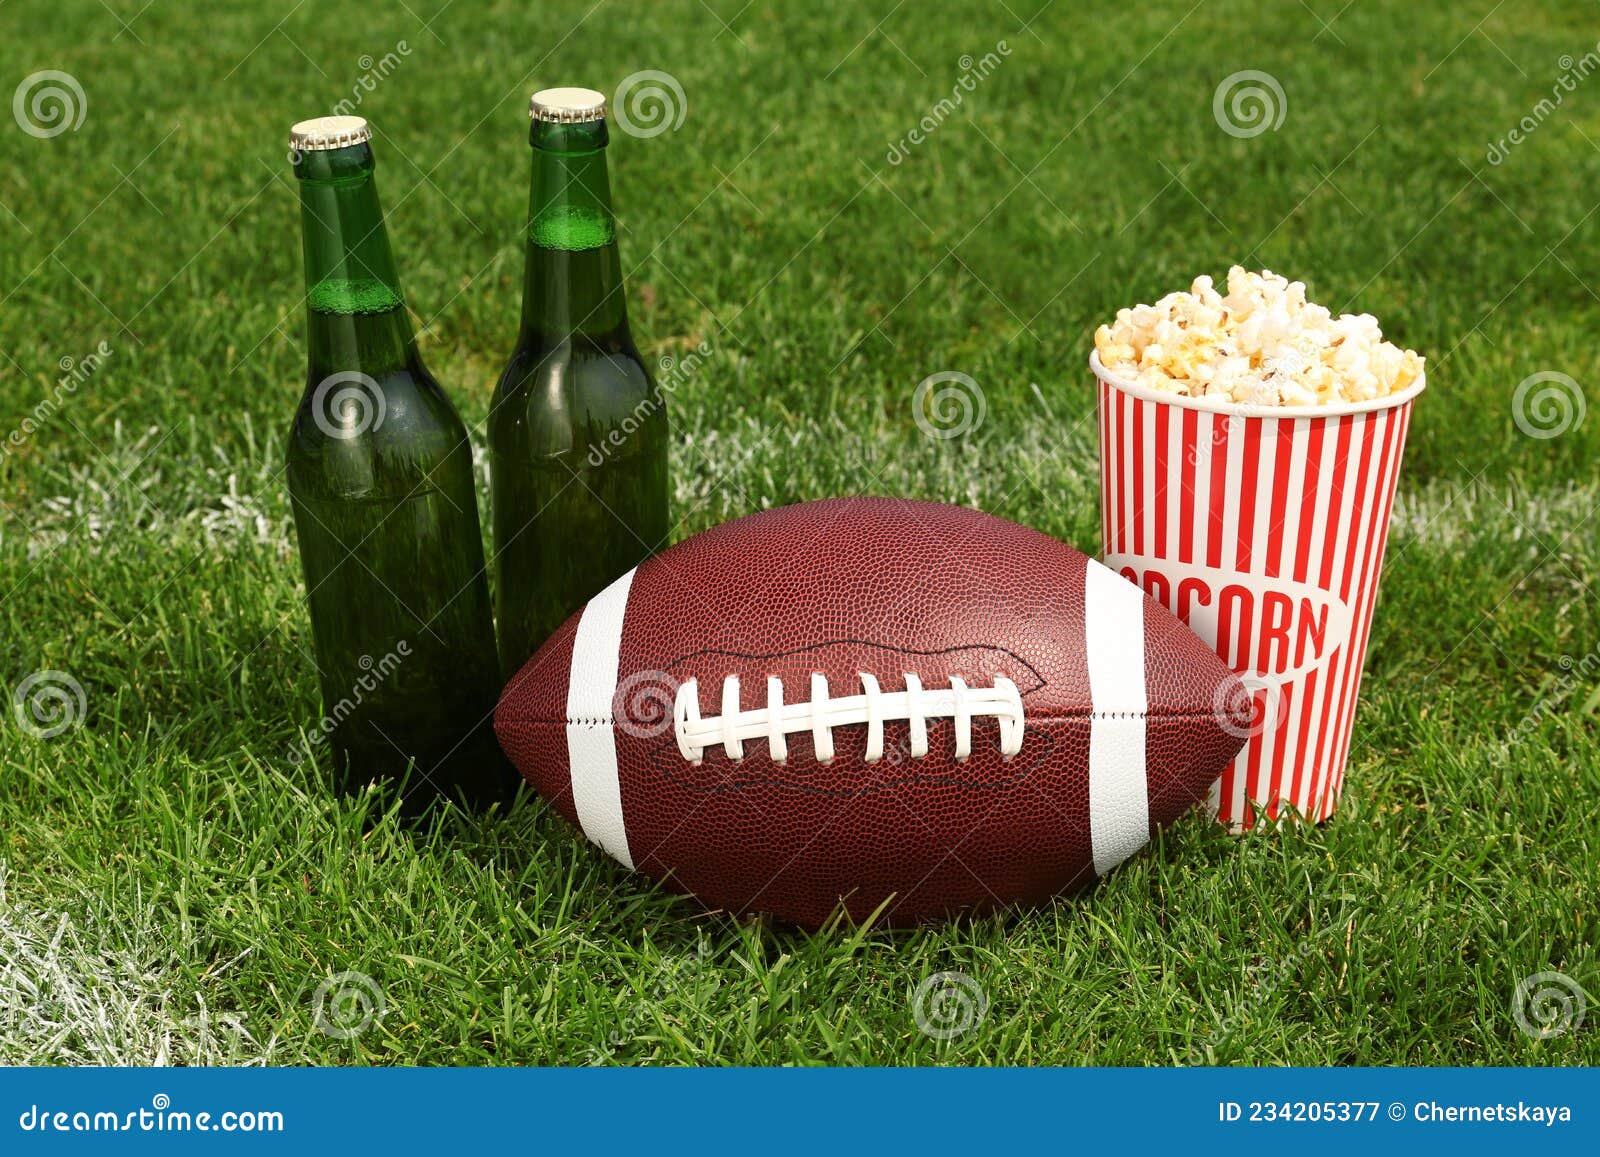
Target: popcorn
(1262, 343)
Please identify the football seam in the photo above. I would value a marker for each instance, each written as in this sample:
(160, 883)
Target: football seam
(847, 641)
(1039, 680)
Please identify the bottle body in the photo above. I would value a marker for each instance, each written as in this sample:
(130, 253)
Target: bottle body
(578, 433)
(389, 542)
(379, 469)
(578, 467)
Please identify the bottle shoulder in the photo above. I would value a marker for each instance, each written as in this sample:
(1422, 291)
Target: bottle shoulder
(560, 396)
(609, 359)
(359, 435)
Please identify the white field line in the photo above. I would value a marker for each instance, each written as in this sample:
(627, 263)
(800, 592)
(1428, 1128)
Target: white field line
(176, 496)
(92, 987)
(1442, 515)
(150, 487)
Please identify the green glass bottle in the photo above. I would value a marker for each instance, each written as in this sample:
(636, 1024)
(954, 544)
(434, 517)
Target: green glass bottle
(577, 432)
(380, 479)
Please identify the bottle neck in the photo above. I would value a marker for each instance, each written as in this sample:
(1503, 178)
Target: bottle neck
(572, 281)
(355, 316)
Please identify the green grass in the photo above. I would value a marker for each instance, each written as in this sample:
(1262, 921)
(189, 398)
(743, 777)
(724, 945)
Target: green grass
(175, 887)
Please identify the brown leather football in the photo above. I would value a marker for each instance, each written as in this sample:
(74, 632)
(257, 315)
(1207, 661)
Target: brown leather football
(874, 702)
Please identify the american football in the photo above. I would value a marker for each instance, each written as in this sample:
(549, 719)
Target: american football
(911, 709)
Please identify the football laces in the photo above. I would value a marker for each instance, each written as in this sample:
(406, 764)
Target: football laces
(823, 712)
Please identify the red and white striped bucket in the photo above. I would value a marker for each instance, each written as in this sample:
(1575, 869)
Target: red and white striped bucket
(1263, 528)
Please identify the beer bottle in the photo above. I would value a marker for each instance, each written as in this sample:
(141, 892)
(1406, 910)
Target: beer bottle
(577, 432)
(380, 480)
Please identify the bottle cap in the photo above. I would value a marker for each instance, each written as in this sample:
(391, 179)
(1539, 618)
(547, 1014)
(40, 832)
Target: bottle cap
(567, 105)
(328, 133)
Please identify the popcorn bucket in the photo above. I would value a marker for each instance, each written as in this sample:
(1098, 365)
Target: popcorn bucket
(1263, 529)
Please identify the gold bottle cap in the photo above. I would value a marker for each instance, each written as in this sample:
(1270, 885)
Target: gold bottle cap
(328, 133)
